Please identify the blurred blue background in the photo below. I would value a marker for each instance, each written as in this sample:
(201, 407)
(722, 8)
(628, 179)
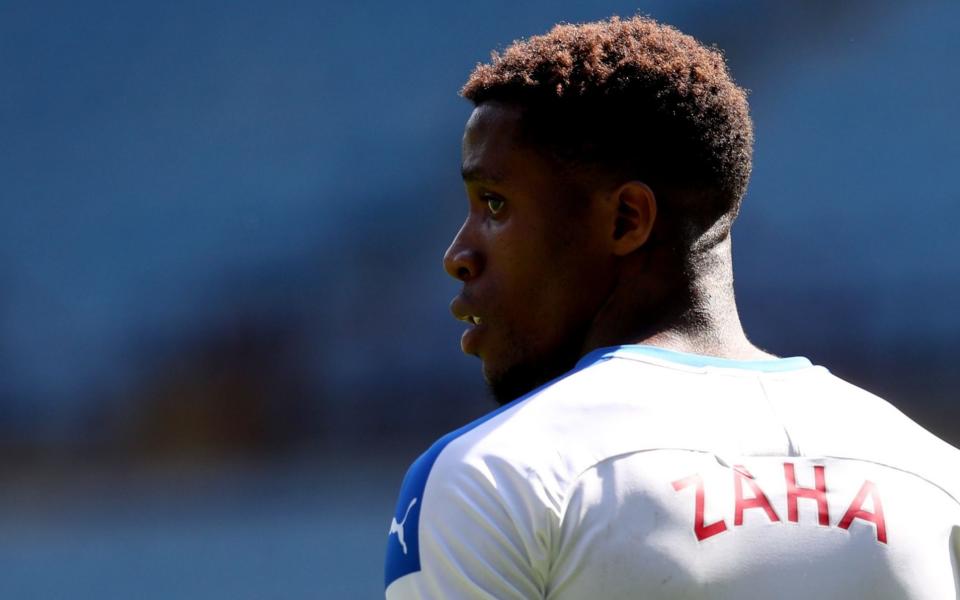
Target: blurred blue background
(223, 318)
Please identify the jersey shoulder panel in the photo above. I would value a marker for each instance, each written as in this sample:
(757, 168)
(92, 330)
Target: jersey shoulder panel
(832, 417)
(479, 471)
(403, 552)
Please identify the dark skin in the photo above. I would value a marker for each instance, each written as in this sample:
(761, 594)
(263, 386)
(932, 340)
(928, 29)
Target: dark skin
(556, 262)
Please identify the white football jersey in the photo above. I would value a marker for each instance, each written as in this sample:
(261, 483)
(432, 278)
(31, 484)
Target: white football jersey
(651, 474)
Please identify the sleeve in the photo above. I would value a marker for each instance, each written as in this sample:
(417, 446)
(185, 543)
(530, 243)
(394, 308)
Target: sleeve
(481, 532)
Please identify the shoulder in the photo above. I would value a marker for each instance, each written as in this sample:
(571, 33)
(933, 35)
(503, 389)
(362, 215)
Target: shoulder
(485, 470)
(505, 437)
(492, 483)
(513, 435)
(843, 420)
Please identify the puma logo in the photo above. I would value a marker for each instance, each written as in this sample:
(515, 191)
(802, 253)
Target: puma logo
(397, 528)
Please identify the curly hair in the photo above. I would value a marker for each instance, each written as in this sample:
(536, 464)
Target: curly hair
(634, 98)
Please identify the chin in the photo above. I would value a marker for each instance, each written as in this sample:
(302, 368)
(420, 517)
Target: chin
(522, 368)
(510, 383)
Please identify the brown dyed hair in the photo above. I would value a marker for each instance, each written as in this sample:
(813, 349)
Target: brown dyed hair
(635, 99)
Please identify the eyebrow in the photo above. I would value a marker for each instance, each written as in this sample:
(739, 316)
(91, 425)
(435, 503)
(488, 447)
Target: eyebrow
(478, 174)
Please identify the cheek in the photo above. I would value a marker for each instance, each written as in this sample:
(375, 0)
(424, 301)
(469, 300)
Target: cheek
(538, 314)
(519, 317)
(545, 290)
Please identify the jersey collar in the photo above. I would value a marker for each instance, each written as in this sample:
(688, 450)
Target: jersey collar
(774, 365)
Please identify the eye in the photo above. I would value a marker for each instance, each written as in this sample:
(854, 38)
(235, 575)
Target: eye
(494, 204)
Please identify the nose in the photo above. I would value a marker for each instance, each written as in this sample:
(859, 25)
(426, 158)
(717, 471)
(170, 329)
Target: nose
(463, 260)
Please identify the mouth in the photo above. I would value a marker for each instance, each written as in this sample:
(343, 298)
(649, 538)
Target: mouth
(470, 340)
(471, 319)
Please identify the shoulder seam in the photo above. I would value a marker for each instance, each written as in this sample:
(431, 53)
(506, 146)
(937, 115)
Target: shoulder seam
(948, 493)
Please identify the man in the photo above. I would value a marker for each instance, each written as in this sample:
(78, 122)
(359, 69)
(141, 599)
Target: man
(646, 449)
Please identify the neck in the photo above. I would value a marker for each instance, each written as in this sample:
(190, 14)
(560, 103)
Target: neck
(689, 307)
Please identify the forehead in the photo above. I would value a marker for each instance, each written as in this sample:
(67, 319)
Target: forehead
(493, 119)
(491, 142)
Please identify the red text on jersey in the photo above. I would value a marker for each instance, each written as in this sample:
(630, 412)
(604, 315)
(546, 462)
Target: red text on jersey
(747, 494)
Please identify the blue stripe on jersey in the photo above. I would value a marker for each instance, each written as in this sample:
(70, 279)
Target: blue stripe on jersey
(772, 365)
(403, 560)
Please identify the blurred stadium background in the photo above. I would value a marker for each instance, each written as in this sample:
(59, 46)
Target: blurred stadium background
(223, 318)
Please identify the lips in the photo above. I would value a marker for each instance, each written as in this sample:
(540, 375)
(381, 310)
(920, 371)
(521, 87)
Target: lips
(462, 310)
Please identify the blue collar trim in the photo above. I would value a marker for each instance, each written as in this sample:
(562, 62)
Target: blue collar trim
(774, 365)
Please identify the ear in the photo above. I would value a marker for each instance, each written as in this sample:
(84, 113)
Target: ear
(636, 211)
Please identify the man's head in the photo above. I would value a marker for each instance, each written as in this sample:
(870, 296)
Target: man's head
(591, 148)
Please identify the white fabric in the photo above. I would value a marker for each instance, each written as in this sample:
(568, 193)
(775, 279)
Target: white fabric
(587, 490)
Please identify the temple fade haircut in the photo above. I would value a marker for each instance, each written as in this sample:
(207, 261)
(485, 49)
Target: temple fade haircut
(632, 99)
